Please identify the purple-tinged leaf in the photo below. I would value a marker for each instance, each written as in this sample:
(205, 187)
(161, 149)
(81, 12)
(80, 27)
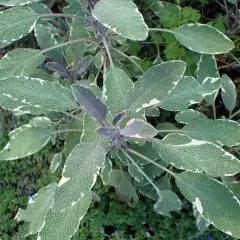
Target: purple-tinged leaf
(108, 132)
(119, 117)
(92, 105)
(139, 129)
(83, 64)
(56, 67)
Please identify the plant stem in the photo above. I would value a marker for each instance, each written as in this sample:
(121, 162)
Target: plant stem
(84, 7)
(142, 172)
(73, 116)
(234, 114)
(64, 15)
(170, 131)
(129, 58)
(214, 112)
(66, 131)
(148, 159)
(107, 50)
(161, 30)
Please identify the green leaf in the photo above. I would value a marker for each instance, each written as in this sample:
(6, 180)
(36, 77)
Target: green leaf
(168, 202)
(106, 171)
(37, 208)
(25, 142)
(121, 181)
(154, 85)
(201, 223)
(229, 92)
(46, 39)
(202, 38)
(139, 129)
(221, 132)
(16, 23)
(213, 200)
(196, 156)
(115, 89)
(188, 92)
(79, 175)
(63, 225)
(34, 96)
(56, 162)
(121, 17)
(188, 116)
(41, 121)
(20, 62)
(73, 138)
(11, 3)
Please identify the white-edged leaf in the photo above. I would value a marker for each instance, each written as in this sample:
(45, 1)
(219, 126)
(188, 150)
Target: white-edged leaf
(56, 162)
(20, 62)
(41, 121)
(188, 116)
(213, 200)
(221, 132)
(229, 93)
(11, 3)
(139, 129)
(203, 38)
(196, 156)
(90, 103)
(63, 225)
(187, 92)
(16, 23)
(34, 95)
(168, 202)
(79, 175)
(37, 209)
(115, 89)
(25, 142)
(201, 223)
(155, 84)
(106, 171)
(121, 17)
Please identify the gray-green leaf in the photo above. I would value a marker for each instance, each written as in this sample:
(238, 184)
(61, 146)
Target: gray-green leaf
(229, 93)
(188, 116)
(37, 209)
(11, 3)
(56, 162)
(16, 23)
(33, 95)
(154, 85)
(121, 17)
(213, 201)
(26, 142)
(203, 38)
(196, 156)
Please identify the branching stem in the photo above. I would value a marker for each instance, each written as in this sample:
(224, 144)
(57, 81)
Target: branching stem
(64, 15)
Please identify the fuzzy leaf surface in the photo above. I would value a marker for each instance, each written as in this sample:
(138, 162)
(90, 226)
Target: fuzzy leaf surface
(210, 198)
(20, 62)
(188, 116)
(217, 131)
(79, 175)
(229, 93)
(11, 3)
(90, 103)
(196, 156)
(121, 17)
(155, 84)
(25, 142)
(37, 208)
(34, 95)
(202, 38)
(116, 87)
(16, 23)
(139, 129)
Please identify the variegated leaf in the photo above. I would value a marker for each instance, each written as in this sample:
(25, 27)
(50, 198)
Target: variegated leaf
(188, 116)
(11, 3)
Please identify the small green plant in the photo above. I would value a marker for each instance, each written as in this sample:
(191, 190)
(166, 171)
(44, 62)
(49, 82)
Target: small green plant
(103, 120)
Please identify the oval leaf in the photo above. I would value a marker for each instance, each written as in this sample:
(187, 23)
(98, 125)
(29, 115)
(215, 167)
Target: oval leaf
(188, 116)
(56, 162)
(11, 3)
(16, 23)
(121, 17)
(26, 142)
(213, 200)
(92, 105)
(202, 38)
(196, 156)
